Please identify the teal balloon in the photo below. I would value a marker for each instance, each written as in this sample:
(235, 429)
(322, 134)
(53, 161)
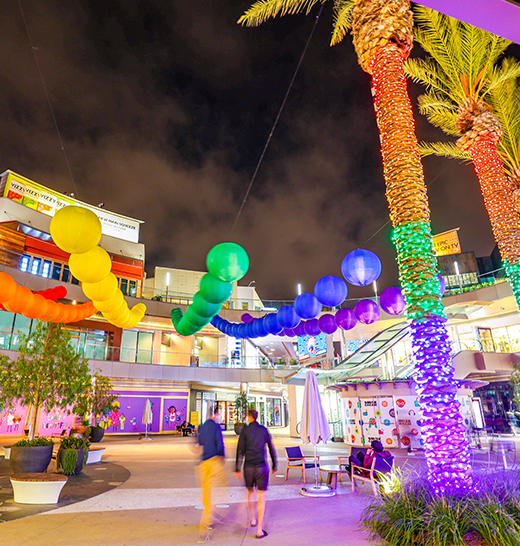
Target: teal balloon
(227, 262)
(213, 290)
(203, 307)
(193, 318)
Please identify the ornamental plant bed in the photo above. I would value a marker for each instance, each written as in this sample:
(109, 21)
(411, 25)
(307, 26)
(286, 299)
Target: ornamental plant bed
(72, 455)
(409, 513)
(28, 456)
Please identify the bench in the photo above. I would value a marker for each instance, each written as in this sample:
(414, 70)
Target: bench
(95, 454)
(7, 451)
(37, 488)
(380, 465)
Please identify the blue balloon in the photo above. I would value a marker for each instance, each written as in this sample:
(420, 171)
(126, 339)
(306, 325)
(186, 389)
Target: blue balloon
(271, 324)
(300, 329)
(331, 291)
(307, 306)
(249, 329)
(361, 267)
(259, 328)
(287, 317)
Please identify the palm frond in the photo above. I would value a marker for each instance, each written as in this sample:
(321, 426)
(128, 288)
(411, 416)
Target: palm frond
(442, 118)
(500, 74)
(262, 10)
(428, 72)
(443, 149)
(342, 11)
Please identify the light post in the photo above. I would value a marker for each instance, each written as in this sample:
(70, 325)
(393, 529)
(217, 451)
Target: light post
(299, 289)
(167, 284)
(457, 272)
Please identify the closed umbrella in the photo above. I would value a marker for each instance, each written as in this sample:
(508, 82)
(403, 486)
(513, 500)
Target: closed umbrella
(315, 427)
(147, 417)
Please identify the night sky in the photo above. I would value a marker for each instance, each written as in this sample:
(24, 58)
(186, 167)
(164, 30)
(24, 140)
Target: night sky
(164, 109)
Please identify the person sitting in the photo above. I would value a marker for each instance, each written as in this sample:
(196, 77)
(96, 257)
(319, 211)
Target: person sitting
(187, 428)
(376, 450)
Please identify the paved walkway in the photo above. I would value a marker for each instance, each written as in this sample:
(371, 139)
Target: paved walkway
(157, 505)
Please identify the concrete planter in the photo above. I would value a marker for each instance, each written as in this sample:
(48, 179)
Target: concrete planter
(27, 460)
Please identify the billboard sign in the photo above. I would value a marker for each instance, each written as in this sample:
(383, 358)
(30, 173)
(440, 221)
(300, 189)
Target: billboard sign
(42, 199)
(446, 243)
(312, 346)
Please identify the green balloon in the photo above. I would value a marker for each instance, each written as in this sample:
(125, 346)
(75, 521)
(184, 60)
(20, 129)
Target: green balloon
(213, 290)
(204, 308)
(227, 262)
(176, 315)
(182, 329)
(196, 320)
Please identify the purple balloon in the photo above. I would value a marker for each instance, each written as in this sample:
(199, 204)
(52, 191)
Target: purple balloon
(271, 324)
(246, 317)
(345, 319)
(287, 317)
(442, 282)
(307, 306)
(392, 300)
(361, 267)
(300, 329)
(327, 324)
(367, 311)
(312, 327)
(288, 332)
(331, 291)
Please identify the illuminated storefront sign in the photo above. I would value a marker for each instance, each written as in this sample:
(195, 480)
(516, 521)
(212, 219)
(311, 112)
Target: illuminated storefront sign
(42, 199)
(446, 243)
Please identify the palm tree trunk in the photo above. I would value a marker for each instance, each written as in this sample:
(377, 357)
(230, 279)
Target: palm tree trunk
(498, 200)
(443, 431)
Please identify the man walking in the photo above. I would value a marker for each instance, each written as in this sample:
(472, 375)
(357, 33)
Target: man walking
(251, 444)
(212, 465)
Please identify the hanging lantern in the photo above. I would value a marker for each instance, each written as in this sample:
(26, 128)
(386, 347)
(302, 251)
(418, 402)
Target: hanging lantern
(92, 266)
(271, 324)
(7, 287)
(289, 332)
(327, 324)
(392, 300)
(203, 307)
(361, 267)
(307, 306)
(345, 319)
(367, 311)
(228, 262)
(75, 229)
(259, 328)
(213, 290)
(287, 317)
(300, 329)
(331, 291)
(22, 298)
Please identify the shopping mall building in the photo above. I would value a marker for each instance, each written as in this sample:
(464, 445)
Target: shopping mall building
(366, 373)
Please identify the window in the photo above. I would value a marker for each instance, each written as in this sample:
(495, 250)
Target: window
(35, 266)
(56, 271)
(46, 269)
(124, 287)
(245, 306)
(73, 280)
(24, 263)
(137, 347)
(66, 273)
(132, 288)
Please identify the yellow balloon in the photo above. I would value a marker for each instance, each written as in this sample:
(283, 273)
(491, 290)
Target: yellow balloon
(119, 317)
(92, 266)
(113, 303)
(75, 229)
(102, 290)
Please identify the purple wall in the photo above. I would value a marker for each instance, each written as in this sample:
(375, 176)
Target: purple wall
(12, 419)
(497, 16)
(55, 421)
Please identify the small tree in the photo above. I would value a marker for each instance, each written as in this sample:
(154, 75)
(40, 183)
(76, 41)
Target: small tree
(514, 381)
(241, 408)
(96, 398)
(47, 373)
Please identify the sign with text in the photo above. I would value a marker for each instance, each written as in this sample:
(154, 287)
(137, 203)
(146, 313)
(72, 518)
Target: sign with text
(446, 243)
(37, 197)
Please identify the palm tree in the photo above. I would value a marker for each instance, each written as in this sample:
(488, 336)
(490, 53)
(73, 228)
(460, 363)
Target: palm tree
(463, 79)
(382, 33)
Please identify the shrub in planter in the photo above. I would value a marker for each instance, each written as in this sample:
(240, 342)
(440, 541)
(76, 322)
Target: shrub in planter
(72, 455)
(408, 512)
(29, 456)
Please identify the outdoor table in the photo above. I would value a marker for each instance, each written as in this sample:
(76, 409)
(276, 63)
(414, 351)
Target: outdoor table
(332, 474)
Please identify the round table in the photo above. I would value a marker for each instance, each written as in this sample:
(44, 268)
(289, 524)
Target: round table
(332, 474)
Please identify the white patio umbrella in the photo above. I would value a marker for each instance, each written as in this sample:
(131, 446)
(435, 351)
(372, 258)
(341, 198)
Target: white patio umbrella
(147, 417)
(315, 428)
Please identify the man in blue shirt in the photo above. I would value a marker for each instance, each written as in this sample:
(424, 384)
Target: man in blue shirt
(209, 436)
(251, 444)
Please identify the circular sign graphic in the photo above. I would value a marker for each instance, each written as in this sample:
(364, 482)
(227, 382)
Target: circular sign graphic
(356, 431)
(400, 402)
(389, 441)
(349, 404)
(386, 422)
(392, 412)
(384, 403)
(414, 432)
(353, 438)
(411, 412)
(372, 421)
(405, 441)
(378, 413)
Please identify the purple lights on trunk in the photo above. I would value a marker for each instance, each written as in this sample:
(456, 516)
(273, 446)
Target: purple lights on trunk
(447, 451)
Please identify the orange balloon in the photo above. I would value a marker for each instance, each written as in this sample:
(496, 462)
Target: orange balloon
(37, 309)
(22, 299)
(62, 314)
(52, 311)
(7, 287)
(74, 311)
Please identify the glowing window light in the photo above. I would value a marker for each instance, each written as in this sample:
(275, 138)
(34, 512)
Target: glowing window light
(35, 266)
(24, 263)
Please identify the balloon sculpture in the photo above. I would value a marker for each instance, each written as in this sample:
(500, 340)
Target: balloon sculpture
(40, 305)
(77, 230)
(227, 263)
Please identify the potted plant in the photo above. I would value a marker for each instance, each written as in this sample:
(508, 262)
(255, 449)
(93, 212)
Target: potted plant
(93, 403)
(47, 373)
(28, 456)
(72, 455)
(240, 412)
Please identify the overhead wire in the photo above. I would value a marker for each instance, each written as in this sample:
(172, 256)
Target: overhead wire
(276, 120)
(34, 50)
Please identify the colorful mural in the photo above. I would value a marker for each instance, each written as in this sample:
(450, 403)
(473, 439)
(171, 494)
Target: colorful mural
(12, 419)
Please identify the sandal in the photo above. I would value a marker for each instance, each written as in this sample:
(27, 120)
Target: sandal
(253, 523)
(263, 535)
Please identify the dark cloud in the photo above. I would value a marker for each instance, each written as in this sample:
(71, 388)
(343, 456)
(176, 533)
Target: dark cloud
(164, 109)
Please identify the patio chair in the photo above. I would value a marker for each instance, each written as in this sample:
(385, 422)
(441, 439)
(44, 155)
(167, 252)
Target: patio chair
(344, 460)
(296, 459)
(380, 465)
